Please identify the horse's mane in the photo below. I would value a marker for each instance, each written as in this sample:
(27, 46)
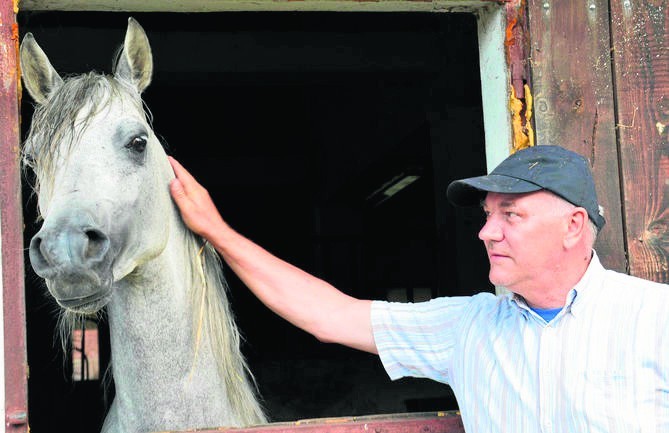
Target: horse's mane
(210, 302)
(53, 131)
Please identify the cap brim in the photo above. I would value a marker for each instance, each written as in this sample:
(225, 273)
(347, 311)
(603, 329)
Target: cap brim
(470, 191)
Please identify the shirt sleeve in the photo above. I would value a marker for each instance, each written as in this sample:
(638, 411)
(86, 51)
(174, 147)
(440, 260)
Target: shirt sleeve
(418, 339)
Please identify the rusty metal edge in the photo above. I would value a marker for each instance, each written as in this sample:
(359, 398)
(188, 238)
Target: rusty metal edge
(16, 366)
(429, 422)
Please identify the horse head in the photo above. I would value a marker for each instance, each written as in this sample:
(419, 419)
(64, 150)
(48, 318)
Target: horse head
(101, 174)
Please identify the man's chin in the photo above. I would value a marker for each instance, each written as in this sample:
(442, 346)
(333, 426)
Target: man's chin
(499, 280)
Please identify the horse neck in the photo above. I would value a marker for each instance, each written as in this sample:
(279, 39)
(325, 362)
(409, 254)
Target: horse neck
(154, 362)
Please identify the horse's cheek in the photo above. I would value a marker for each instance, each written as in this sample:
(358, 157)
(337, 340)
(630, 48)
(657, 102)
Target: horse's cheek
(149, 229)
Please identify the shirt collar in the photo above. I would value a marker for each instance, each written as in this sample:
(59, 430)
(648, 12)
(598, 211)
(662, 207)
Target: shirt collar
(587, 286)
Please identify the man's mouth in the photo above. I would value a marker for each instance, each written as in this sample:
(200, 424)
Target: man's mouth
(497, 256)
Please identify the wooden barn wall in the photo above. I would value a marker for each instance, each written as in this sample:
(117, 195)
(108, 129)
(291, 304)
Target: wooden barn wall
(600, 79)
(640, 35)
(569, 58)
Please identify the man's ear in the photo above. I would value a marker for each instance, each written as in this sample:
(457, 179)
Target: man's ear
(577, 226)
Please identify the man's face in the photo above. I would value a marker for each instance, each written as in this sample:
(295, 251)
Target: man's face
(523, 236)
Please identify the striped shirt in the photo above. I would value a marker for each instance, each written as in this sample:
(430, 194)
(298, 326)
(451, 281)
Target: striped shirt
(601, 365)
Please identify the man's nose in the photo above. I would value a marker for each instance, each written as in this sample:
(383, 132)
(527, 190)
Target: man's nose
(491, 230)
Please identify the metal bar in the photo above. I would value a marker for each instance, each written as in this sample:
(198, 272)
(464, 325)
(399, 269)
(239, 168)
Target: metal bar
(16, 367)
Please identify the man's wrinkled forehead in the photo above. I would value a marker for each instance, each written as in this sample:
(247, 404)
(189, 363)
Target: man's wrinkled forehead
(505, 200)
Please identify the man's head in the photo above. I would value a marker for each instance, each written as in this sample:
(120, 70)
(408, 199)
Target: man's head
(540, 205)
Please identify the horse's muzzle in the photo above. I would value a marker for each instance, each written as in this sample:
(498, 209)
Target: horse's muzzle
(74, 257)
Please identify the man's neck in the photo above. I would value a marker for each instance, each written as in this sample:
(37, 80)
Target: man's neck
(556, 286)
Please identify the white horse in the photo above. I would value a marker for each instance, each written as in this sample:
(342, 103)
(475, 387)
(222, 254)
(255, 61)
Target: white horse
(111, 237)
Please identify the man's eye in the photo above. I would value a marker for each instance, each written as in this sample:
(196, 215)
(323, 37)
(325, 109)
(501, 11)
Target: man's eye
(137, 144)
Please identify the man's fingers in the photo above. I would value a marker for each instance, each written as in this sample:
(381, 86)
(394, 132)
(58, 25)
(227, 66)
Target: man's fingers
(177, 191)
(185, 178)
(176, 186)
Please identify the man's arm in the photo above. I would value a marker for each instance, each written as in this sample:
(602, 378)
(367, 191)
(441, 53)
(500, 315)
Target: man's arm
(304, 300)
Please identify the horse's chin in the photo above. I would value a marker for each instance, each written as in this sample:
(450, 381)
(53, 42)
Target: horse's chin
(98, 298)
(91, 307)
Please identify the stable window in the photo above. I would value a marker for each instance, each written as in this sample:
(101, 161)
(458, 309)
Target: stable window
(327, 138)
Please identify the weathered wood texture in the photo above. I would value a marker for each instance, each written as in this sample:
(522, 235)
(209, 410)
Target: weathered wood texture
(439, 422)
(16, 368)
(573, 99)
(640, 34)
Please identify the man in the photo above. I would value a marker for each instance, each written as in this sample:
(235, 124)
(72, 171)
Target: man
(572, 348)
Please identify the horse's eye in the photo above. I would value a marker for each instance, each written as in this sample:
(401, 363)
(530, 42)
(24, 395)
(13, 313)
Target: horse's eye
(137, 144)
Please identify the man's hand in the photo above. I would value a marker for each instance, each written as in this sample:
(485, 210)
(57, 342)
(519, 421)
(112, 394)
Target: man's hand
(197, 209)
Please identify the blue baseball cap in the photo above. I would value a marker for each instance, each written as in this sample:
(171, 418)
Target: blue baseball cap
(552, 168)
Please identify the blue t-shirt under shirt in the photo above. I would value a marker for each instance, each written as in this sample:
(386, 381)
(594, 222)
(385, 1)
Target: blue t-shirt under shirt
(547, 313)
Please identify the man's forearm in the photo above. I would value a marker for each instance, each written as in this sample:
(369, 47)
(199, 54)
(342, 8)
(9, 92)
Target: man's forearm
(299, 297)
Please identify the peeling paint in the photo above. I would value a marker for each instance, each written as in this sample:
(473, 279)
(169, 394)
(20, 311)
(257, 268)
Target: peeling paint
(514, 44)
(510, 38)
(660, 127)
(521, 119)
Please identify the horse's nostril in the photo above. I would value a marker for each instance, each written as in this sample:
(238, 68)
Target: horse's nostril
(37, 257)
(97, 245)
(94, 235)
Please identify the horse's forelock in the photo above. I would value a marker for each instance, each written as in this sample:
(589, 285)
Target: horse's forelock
(58, 124)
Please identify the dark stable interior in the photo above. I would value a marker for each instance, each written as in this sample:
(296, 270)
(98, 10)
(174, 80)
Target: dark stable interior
(296, 122)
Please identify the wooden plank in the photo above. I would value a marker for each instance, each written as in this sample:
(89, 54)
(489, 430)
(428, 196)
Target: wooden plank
(11, 229)
(254, 5)
(640, 33)
(437, 422)
(573, 100)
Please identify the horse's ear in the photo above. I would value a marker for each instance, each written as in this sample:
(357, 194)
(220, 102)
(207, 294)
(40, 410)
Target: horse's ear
(135, 62)
(39, 77)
